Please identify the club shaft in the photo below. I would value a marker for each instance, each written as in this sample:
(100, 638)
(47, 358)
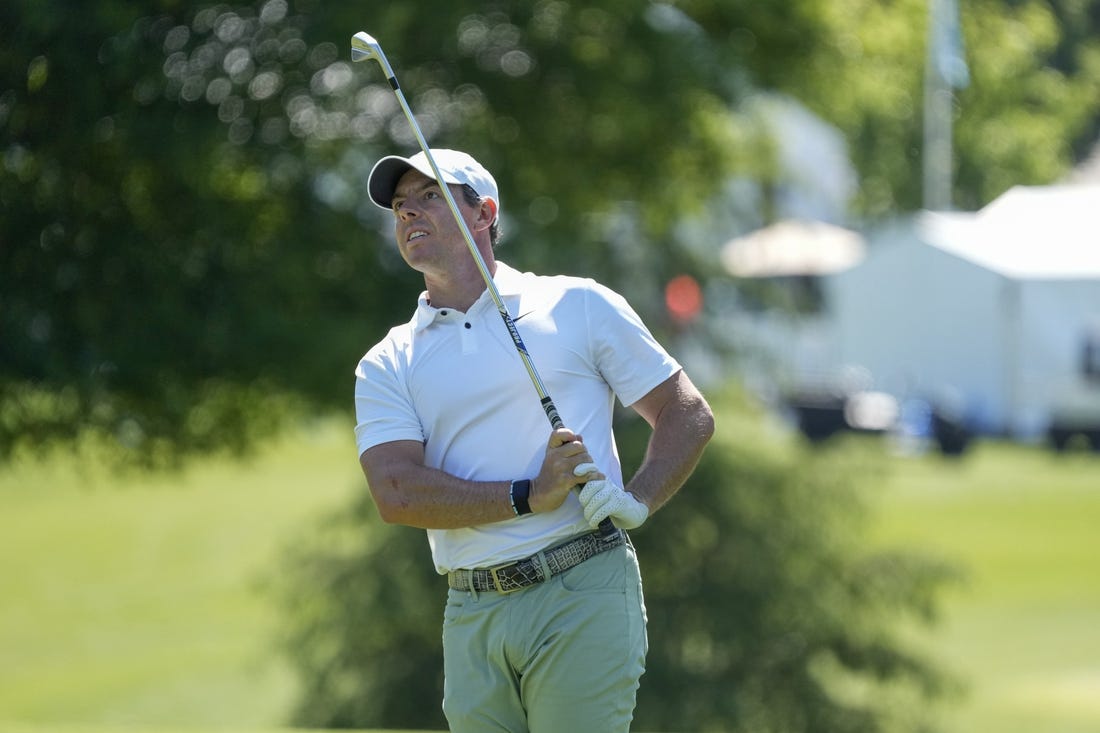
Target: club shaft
(494, 293)
(607, 528)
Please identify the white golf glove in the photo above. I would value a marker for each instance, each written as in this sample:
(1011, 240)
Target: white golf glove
(602, 498)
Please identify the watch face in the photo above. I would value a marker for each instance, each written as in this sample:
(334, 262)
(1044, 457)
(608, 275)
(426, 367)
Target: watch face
(520, 493)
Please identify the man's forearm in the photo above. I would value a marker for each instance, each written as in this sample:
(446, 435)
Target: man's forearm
(680, 434)
(410, 493)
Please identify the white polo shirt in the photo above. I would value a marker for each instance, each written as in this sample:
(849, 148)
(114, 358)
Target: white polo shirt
(454, 381)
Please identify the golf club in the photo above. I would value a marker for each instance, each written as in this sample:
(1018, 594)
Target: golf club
(364, 47)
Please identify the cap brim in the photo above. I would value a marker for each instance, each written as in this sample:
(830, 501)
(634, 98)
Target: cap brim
(383, 179)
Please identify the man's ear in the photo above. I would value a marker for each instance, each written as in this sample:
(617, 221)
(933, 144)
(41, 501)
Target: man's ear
(488, 212)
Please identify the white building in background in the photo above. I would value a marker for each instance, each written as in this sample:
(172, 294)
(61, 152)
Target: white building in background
(996, 312)
(992, 316)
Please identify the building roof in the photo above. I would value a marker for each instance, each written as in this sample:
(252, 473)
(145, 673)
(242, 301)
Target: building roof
(1030, 232)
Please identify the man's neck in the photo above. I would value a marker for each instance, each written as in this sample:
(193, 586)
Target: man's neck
(458, 290)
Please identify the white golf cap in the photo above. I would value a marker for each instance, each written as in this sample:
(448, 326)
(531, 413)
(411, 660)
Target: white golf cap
(455, 167)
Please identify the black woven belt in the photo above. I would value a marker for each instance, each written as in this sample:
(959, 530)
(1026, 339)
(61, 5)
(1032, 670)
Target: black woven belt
(535, 569)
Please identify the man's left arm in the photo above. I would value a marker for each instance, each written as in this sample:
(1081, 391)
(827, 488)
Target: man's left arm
(682, 424)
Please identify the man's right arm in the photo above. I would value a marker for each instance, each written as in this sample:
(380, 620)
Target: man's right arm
(410, 493)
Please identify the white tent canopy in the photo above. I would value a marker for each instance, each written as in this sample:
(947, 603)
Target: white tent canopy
(793, 248)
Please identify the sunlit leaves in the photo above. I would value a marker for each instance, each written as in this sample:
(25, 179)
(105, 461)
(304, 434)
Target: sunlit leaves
(1031, 95)
(210, 158)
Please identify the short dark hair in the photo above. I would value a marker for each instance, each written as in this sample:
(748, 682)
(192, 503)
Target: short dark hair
(473, 198)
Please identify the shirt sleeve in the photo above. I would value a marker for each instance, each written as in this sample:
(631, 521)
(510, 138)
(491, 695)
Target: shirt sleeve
(630, 359)
(384, 409)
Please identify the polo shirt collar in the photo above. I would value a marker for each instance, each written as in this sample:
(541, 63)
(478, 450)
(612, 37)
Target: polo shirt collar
(510, 285)
(424, 315)
(509, 281)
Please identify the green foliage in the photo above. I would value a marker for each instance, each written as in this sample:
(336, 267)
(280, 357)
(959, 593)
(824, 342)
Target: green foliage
(364, 611)
(766, 612)
(1035, 87)
(166, 279)
(1031, 109)
(181, 184)
(766, 609)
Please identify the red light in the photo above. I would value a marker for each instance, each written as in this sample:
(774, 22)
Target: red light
(683, 298)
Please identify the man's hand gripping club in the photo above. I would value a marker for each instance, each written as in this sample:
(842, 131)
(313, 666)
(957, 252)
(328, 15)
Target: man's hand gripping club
(565, 452)
(567, 460)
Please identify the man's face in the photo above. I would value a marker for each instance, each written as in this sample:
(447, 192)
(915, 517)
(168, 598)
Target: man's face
(427, 234)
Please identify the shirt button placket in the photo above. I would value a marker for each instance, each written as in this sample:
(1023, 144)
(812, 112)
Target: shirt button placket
(469, 339)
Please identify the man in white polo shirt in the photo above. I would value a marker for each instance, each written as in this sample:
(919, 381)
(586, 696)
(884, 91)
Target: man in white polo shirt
(544, 628)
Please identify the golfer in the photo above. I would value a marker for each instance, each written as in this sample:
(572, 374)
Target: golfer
(544, 627)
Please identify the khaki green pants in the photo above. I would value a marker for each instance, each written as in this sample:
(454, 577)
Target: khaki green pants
(560, 656)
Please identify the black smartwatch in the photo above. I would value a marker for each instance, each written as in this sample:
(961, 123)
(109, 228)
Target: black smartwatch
(520, 493)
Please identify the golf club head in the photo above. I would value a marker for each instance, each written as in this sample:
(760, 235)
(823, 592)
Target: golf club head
(363, 46)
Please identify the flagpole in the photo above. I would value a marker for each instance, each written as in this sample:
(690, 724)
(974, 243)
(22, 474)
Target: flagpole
(937, 119)
(945, 70)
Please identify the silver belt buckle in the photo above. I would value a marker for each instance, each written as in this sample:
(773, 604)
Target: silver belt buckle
(496, 579)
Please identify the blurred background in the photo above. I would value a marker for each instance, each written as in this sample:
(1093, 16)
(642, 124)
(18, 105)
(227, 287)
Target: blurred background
(868, 229)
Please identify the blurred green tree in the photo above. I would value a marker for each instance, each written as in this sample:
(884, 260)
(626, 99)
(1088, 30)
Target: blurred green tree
(185, 253)
(184, 257)
(1030, 110)
(170, 276)
(766, 610)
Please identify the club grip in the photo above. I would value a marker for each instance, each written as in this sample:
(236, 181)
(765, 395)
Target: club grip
(607, 527)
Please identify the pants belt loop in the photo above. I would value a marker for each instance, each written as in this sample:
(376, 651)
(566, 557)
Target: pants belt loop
(543, 566)
(471, 586)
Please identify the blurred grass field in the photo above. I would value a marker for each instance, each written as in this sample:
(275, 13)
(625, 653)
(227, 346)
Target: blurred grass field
(140, 599)
(1022, 629)
(137, 603)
